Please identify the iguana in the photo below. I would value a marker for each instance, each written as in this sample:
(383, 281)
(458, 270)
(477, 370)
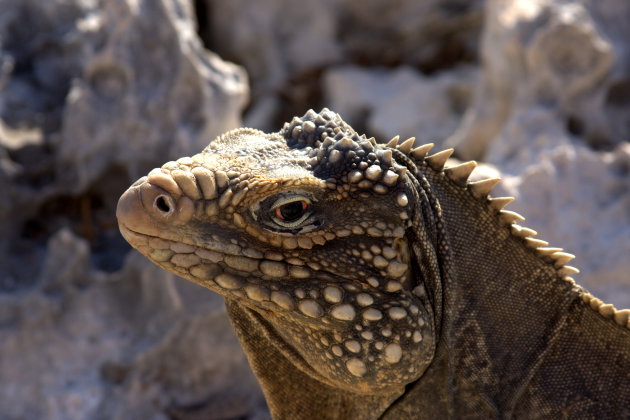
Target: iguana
(366, 280)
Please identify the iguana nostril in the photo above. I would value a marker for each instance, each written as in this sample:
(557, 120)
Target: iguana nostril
(164, 204)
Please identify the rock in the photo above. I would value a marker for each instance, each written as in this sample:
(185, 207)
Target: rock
(150, 91)
(579, 199)
(568, 60)
(527, 137)
(284, 44)
(105, 93)
(385, 103)
(135, 344)
(93, 94)
(552, 114)
(430, 35)
(127, 85)
(273, 39)
(262, 114)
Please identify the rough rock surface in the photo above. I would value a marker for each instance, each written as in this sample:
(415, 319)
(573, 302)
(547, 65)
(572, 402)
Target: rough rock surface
(568, 60)
(401, 102)
(276, 39)
(284, 44)
(103, 92)
(93, 94)
(137, 343)
(579, 199)
(147, 91)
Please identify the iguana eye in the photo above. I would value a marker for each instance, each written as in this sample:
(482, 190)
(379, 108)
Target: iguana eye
(291, 211)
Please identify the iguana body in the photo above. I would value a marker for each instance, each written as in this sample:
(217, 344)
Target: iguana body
(366, 281)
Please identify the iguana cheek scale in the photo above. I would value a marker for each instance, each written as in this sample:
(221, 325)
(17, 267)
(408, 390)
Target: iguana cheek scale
(376, 282)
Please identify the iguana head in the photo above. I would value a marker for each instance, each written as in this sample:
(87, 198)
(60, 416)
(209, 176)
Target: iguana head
(310, 228)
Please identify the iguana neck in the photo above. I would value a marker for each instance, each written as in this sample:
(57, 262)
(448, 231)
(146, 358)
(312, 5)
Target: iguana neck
(499, 300)
(279, 368)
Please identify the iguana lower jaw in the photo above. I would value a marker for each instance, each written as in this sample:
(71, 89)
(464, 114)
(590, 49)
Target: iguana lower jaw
(346, 308)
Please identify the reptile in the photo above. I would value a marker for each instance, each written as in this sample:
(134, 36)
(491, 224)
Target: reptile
(368, 280)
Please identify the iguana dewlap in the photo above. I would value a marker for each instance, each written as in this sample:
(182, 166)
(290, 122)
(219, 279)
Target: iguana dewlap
(366, 281)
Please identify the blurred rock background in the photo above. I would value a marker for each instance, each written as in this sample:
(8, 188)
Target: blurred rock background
(93, 94)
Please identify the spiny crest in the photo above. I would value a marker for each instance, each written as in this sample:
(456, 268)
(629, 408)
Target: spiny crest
(481, 190)
(338, 153)
(607, 310)
(460, 173)
(438, 160)
(312, 129)
(341, 156)
(405, 147)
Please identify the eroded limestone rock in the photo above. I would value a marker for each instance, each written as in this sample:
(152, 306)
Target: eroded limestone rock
(150, 90)
(285, 45)
(568, 60)
(137, 343)
(402, 102)
(93, 94)
(579, 199)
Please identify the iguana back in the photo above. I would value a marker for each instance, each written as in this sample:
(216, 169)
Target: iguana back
(366, 281)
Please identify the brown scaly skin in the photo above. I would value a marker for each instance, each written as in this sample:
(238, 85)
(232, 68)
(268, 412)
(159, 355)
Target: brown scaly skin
(366, 281)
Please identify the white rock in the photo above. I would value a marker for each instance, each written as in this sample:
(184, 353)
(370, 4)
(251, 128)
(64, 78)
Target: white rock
(145, 94)
(554, 82)
(83, 344)
(399, 102)
(282, 43)
(274, 39)
(579, 200)
(567, 59)
(105, 90)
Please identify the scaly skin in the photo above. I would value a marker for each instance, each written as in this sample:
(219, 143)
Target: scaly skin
(366, 281)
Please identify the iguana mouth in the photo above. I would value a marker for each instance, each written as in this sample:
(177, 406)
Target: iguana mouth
(266, 283)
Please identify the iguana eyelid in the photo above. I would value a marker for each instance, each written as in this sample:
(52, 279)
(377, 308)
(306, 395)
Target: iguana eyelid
(289, 199)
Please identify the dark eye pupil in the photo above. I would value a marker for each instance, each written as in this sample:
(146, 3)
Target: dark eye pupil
(292, 211)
